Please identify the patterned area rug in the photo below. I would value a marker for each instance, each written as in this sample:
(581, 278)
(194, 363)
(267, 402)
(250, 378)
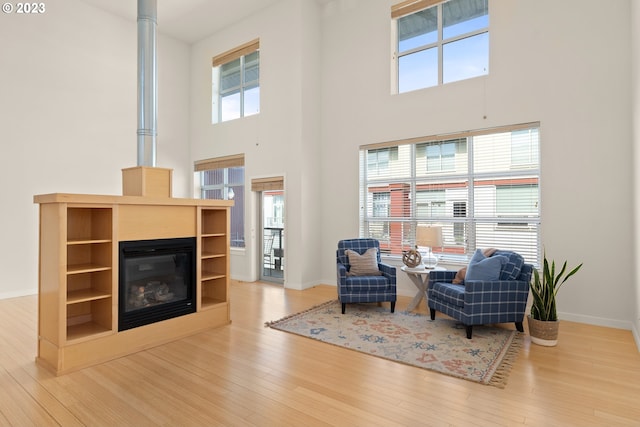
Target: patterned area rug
(440, 345)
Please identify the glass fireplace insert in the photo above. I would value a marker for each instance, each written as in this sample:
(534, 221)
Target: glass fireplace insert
(157, 281)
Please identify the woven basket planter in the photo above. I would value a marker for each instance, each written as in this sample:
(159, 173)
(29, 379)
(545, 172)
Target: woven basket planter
(543, 332)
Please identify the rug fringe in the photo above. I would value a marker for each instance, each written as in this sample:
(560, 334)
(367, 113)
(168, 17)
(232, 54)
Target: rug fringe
(315, 307)
(499, 378)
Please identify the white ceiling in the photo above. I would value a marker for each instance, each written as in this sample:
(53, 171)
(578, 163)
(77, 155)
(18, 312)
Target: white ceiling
(189, 20)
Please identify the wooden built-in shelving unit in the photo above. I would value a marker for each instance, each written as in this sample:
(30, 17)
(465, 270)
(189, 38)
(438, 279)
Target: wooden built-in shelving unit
(89, 276)
(213, 241)
(78, 272)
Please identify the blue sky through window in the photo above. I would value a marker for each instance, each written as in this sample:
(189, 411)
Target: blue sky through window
(462, 58)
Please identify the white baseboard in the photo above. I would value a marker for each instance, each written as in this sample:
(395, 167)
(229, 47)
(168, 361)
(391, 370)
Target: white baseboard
(16, 294)
(597, 321)
(636, 333)
(303, 286)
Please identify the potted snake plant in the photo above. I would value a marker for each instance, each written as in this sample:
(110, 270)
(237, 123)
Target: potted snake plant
(543, 320)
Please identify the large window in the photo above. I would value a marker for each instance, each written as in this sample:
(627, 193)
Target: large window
(481, 187)
(438, 42)
(222, 178)
(236, 83)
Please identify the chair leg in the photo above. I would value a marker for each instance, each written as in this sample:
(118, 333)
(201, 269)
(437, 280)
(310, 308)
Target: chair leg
(344, 306)
(393, 306)
(432, 311)
(519, 327)
(469, 329)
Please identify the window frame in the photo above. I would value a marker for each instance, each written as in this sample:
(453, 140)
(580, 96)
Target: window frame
(467, 223)
(239, 54)
(411, 7)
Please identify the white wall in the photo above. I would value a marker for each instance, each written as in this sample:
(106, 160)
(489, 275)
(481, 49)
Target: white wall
(545, 66)
(282, 140)
(173, 148)
(68, 118)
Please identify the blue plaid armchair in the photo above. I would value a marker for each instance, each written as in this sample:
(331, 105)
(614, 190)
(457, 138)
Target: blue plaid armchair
(364, 288)
(479, 302)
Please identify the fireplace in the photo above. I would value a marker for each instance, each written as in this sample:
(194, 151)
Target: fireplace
(157, 281)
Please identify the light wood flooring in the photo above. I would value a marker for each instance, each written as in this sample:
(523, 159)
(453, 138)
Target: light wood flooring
(246, 374)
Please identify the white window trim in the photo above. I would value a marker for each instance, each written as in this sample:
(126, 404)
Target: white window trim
(407, 8)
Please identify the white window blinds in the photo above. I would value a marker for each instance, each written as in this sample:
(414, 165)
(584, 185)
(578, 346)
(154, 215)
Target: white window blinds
(482, 187)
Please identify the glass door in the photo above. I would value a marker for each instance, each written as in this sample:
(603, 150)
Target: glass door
(272, 260)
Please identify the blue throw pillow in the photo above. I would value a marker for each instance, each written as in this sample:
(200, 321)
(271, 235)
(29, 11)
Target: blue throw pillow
(511, 270)
(483, 268)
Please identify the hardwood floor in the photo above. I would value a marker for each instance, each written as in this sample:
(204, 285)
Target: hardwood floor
(246, 374)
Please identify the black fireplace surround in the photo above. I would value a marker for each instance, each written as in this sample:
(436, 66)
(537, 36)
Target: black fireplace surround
(157, 281)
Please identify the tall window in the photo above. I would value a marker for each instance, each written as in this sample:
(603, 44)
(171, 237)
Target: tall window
(481, 187)
(222, 178)
(236, 83)
(438, 42)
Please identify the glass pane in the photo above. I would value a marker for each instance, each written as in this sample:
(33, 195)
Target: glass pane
(389, 200)
(230, 76)
(236, 214)
(273, 209)
(381, 204)
(252, 101)
(389, 162)
(431, 203)
(524, 147)
(417, 29)
(463, 16)
(229, 184)
(236, 176)
(378, 230)
(378, 163)
(506, 197)
(213, 177)
(521, 238)
(418, 70)
(465, 58)
(394, 236)
(442, 156)
(517, 200)
(493, 153)
(433, 158)
(458, 229)
(441, 199)
(251, 69)
(215, 194)
(230, 107)
(273, 238)
(378, 201)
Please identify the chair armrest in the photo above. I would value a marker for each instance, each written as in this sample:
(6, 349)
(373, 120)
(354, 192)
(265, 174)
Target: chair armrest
(477, 290)
(342, 274)
(388, 271)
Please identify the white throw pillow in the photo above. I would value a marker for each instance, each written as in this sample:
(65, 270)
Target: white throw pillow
(365, 264)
